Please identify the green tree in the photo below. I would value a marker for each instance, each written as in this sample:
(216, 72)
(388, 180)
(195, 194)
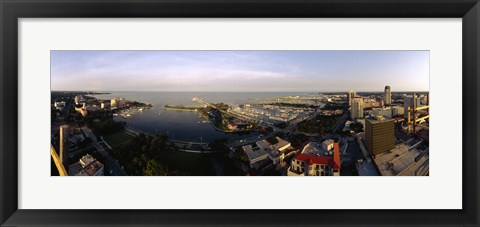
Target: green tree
(152, 168)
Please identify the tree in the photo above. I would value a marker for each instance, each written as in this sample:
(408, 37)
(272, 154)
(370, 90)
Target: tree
(152, 168)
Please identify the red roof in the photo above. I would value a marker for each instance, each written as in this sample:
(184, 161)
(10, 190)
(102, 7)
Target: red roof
(336, 156)
(314, 159)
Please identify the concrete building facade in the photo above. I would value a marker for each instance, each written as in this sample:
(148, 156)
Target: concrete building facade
(357, 108)
(379, 135)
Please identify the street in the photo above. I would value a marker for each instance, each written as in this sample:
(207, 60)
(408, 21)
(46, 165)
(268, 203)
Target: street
(110, 162)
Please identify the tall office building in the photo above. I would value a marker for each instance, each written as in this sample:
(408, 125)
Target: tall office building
(64, 144)
(351, 95)
(408, 101)
(388, 96)
(357, 108)
(379, 135)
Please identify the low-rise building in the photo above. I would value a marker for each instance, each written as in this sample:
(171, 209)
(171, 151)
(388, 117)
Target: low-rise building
(327, 145)
(59, 105)
(263, 150)
(314, 165)
(385, 111)
(86, 166)
(403, 160)
(105, 105)
(82, 110)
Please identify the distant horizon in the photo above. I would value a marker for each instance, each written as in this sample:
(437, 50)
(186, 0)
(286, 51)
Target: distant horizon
(243, 91)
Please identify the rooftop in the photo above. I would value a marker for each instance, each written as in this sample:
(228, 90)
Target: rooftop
(314, 159)
(254, 153)
(314, 148)
(379, 119)
(86, 166)
(262, 144)
(282, 144)
(401, 161)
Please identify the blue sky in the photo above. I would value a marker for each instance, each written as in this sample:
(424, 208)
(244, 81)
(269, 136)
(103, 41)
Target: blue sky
(312, 71)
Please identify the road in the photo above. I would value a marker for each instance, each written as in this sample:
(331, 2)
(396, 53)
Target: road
(341, 121)
(113, 165)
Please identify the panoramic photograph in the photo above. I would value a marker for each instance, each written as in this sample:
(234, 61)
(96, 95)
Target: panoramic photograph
(239, 113)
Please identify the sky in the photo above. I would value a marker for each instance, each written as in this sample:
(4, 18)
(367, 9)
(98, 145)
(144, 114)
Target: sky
(249, 71)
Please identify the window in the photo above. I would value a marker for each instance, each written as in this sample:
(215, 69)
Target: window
(323, 173)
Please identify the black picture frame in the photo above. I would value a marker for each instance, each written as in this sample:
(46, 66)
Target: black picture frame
(12, 10)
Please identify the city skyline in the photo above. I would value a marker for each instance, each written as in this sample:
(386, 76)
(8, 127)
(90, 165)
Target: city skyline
(240, 71)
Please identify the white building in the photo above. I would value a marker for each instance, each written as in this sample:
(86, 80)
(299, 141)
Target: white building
(357, 108)
(86, 166)
(351, 95)
(266, 151)
(59, 105)
(314, 165)
(327, 145)
(386, 111)
(398, 110)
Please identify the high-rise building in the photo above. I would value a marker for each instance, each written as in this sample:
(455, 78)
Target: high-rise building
(408, 101)
(64, 144)
(357, 108)
(388, 96)
(379, 135)
(77, 100)
(351, 95)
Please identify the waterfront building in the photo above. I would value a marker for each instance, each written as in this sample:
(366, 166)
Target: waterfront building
(388, 96)
(121, 102)
(379, 135)
(86, 166)
(117, 102)
(357, 108)
(264, 151)
(64, 143)
(314, 165)
(105, 105)
(114, 102)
